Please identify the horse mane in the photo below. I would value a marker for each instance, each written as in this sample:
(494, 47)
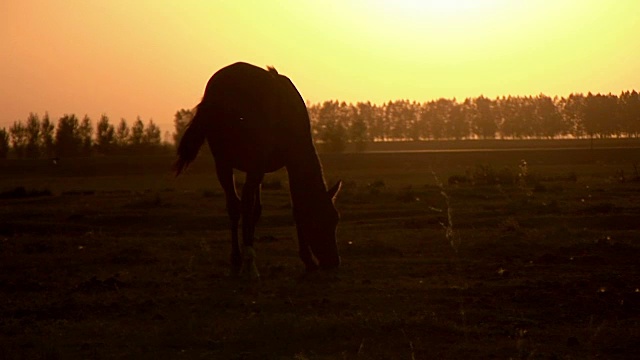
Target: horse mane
(272, 70)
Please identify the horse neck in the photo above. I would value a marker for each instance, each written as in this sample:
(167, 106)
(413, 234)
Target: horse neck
(306, 180)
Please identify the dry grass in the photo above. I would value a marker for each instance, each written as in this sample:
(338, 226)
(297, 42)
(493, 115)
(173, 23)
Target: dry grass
(135, 266)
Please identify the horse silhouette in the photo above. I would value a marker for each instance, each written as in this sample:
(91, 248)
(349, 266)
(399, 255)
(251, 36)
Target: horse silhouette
(255, 120)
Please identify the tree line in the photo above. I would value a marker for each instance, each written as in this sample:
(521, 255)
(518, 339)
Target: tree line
(335, 124)
(39, 137)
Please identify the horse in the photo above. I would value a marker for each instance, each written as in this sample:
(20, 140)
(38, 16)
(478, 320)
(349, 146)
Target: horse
(256, 121)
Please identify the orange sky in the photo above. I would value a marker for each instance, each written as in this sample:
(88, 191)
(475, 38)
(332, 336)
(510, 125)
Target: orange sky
(152, 57)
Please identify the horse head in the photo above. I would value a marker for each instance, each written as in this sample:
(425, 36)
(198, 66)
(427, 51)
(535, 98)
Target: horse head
(317, 228)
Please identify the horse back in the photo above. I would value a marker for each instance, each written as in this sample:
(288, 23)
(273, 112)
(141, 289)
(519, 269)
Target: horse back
(258, 118)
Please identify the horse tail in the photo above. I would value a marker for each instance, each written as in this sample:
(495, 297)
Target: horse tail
(192, 139)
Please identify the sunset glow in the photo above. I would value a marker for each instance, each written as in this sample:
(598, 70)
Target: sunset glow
(151, 58)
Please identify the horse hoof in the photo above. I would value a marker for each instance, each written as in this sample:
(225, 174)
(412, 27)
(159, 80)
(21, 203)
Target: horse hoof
(249, 270)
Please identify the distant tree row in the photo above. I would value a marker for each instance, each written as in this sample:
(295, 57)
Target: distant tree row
(335, 124)
(73, 137)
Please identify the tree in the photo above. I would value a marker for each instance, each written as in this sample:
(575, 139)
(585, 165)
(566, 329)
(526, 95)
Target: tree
(331, 131)
(550, 121)
(457, 127)
(573, 110)
(376, 126)
(151, 137)
(484, 120)
(403, 120)
(32, 130)
(527, 117)
(612, 124)
(595, 115)
(505, 116)
(439, 113)
(137, 133)
(68, 140)
(18, 135)
(410, 124)
(389, 120)
(85, 132)
(346, 114)
(4, 143)
(122, 134)
(629, 104)
(181, 119)
(313, 110)
(105, 136)
(46, 136)
(516, 117)
(359, 127)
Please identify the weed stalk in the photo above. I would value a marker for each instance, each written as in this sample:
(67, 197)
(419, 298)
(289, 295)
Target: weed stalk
(454, 240)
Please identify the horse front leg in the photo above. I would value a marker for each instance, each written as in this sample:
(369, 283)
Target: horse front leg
(306, 257)
(304, 251)
(251, 209)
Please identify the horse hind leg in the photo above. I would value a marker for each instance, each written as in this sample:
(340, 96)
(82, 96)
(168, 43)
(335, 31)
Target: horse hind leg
(257, 205)
(251, 210)
(225, 177)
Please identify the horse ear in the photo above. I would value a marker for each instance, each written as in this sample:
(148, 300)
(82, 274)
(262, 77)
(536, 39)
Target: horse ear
(334, 190)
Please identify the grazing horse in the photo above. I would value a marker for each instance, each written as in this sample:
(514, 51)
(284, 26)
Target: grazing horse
(256, 121)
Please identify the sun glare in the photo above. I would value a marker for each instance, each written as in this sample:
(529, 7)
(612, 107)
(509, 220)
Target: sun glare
(456, 6)
(352, 50)
(439, 10)
(442, 20)
(441, 6)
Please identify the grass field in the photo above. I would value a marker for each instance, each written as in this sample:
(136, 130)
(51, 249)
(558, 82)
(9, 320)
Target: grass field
(105, 258)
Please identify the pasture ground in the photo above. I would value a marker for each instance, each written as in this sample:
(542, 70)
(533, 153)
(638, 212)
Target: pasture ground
(109, 258)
